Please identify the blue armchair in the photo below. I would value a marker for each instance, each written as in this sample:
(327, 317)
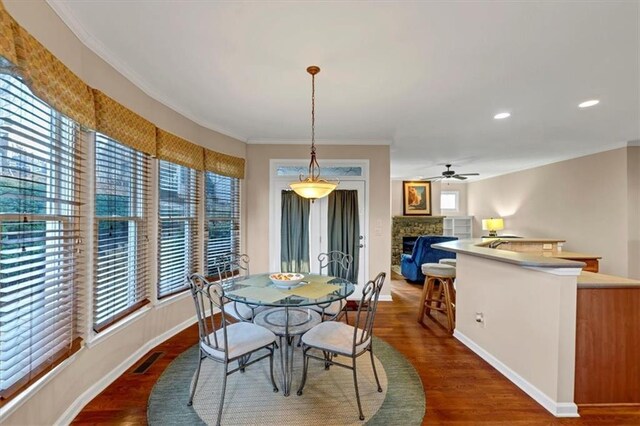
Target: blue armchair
(410, 265)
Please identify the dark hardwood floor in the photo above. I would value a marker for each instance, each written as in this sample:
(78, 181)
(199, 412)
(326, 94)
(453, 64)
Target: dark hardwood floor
(460, 387)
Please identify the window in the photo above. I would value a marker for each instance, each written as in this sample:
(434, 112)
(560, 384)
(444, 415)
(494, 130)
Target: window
(222, 195)
(39, 236)
(449, 200)
(326, 171)
(121, 203)
(178, 230)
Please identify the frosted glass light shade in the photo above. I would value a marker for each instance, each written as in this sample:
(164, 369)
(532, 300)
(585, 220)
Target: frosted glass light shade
(313, 189)
(493, 224)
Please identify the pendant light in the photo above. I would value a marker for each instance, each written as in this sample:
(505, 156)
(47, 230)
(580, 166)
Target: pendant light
(313, 187)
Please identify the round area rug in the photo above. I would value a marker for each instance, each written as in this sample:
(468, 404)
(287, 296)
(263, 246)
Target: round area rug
(328, 398)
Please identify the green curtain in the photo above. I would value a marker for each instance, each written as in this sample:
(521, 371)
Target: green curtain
(344, 228)
(294, 233)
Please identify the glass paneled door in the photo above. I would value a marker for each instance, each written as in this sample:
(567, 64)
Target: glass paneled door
(319, 229)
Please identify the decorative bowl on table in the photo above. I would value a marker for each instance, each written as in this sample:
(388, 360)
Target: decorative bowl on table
(286, 279)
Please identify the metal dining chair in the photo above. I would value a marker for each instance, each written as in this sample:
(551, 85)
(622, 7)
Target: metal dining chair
(337, 264)
(225, 342)
(225, 268)
(332, 337)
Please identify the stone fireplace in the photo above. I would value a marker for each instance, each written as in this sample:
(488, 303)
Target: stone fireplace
(411, 226)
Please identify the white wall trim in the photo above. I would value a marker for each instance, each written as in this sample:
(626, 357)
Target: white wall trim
(563, 272)
(17, 402)
(77, 406)
(558, 409)
(95, 338)
(385, 298)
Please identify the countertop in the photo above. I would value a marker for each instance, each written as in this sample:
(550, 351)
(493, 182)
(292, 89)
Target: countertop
(487, 240)
(477, 247)
(570, 255)
(593, 280)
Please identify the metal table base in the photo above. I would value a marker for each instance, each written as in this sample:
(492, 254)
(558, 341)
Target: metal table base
(287, 323)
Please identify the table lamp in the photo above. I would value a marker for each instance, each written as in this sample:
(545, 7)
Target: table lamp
(493, 226)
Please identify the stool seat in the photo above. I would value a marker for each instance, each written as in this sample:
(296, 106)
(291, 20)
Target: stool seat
(438, 292)
(451, 262)
(438, 269)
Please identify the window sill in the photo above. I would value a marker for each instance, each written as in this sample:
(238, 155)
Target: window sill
(96, 338)
(172, 299)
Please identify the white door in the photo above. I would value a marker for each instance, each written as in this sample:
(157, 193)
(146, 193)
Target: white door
(318, 229)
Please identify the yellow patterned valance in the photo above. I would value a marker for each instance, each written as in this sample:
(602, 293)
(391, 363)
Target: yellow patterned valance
(223, 164)
(52, 81)
(124, 125)
(180, 151)
(7, 39)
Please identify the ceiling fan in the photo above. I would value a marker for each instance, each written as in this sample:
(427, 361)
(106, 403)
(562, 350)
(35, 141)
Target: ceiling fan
(451, 174)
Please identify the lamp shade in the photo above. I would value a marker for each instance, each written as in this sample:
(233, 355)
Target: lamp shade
(313, 189)
(492, 224)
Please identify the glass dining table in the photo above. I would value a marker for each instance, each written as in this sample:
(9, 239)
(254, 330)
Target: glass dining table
(287, 312)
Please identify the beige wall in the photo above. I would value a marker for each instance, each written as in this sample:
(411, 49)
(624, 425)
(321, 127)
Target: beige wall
(257, 195)
(436, 188)
(91, 364)
(633, 162)
(529, 323)
(583, 200)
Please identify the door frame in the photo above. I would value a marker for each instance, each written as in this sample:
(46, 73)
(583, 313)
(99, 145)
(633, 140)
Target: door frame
(277, 183)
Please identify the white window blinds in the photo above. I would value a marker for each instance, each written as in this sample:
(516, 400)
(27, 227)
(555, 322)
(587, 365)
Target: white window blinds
(40, 161)
(178, 227)
(121, 271)
(222, 197)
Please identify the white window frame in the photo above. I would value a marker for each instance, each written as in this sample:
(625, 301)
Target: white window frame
(457, 201)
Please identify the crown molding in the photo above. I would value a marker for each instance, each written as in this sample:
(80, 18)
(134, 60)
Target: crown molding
(558, 159)
(65, 13)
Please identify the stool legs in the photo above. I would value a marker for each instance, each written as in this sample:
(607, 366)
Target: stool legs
(423, 298)
(449, 300)
(438, 294)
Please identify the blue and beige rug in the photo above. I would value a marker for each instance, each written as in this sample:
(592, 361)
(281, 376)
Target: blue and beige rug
(328, 398)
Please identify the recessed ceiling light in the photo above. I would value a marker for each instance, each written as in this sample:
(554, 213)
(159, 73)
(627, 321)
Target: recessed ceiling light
(502, 115)
(589, 103)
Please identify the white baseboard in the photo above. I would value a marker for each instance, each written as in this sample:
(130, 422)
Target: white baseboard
(385, 298)
(558, 409)
(77, 406)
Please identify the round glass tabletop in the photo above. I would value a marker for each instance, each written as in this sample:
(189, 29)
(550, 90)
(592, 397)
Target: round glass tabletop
(314, 289)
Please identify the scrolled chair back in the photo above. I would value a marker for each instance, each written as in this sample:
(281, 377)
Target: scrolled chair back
(208, 298)
(239, 262)
(335, 263)
(228, 265)
(367, 310)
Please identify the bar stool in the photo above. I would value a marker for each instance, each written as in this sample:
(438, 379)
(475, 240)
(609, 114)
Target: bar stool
(438, 292)
(451, 262)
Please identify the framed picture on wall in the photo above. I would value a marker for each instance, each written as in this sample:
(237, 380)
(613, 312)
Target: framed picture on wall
(416, 198)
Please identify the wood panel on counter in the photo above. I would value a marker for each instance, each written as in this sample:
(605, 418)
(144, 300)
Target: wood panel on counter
(608, 346)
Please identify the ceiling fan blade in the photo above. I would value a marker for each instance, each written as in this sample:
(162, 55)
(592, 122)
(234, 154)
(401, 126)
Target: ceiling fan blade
(468, 174)
(459, 177)
(434, 178)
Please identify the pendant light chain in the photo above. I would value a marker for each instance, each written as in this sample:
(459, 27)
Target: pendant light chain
(313, 187)
(314, 167)
(313, 113)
